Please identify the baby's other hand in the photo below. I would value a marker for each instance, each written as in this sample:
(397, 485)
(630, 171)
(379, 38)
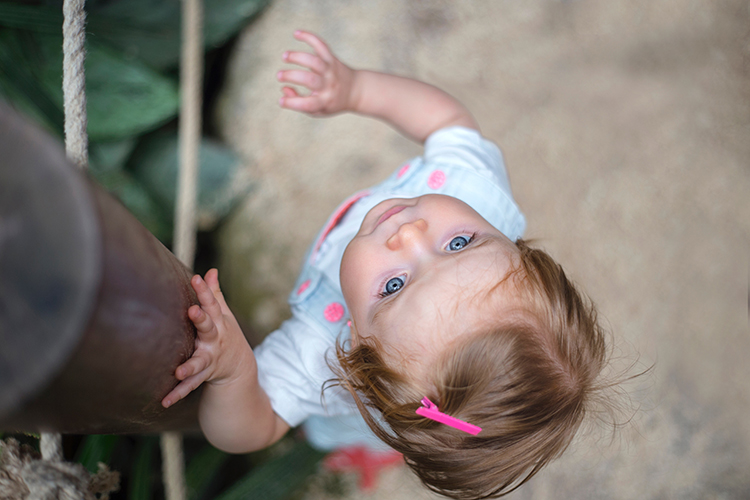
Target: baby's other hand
(221, 350)
(331, 82)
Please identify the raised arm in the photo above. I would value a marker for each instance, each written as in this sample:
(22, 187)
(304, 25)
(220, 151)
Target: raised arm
(414, 108)
(235, 414)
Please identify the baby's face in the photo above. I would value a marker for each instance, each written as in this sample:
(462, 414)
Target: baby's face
(414, 274)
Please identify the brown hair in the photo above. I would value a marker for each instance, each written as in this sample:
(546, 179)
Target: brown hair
(526, 381)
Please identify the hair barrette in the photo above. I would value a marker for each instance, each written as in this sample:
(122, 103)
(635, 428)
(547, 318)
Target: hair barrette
(431, 411)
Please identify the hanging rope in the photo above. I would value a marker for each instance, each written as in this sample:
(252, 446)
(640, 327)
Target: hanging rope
(191, 73)
(74, 82)
(191, 76)
(76, 140)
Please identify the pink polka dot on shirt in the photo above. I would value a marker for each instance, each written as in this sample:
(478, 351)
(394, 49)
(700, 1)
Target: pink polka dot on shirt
(333, 312)
(436, 179)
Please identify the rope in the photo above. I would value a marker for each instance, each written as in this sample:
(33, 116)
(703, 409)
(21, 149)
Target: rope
(24, 475)
(191, 73)
(51, 446)
(76, 140)
(74, 82)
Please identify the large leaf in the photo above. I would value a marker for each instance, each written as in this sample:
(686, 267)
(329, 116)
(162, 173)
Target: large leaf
(139, 483)
(150, 29)
(138, 201)
(279, 477)
(125, 97)
(95, 449)
(221, 183)
(110, 155)
(20, 62)
(146, 29)
(202, 470)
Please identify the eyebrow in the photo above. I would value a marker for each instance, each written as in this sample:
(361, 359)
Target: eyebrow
(478, 243)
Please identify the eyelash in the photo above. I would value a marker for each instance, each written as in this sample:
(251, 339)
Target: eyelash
(383, 294)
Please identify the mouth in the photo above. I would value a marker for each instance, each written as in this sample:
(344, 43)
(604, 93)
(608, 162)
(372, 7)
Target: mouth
(389, 213)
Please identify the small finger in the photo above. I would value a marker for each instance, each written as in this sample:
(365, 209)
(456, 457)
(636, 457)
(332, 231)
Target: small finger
(203, 323)
(300, 77)
(305, 104)
(212, 280)
(194, 365)
(318, 45)
(289, 92)
(206, 297)
(305, 59)
(183, 389)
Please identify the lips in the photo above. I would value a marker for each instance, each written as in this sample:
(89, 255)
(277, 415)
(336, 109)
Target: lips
(389, 213)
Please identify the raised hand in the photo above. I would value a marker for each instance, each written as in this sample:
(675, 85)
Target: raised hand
(330, 82)
(221, 350)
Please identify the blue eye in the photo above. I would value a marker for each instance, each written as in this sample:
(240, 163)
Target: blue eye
(392, 286)
(458, 243)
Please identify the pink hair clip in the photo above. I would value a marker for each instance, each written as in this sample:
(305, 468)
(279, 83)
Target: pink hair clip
(431, 411)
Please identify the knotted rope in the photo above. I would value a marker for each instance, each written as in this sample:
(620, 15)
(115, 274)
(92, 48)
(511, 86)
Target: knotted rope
(24, 475)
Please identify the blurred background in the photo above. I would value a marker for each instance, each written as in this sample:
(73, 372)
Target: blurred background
(625, 127)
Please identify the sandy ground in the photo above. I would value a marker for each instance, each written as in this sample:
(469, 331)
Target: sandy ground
(626, 130)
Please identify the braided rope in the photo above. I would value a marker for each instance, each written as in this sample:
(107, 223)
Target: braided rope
(76, 140)
(74, 82)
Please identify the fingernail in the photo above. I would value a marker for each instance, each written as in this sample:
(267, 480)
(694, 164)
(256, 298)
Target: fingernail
(278, 75)
(297, 32)
(167, 404)
(281, 101)
(286, 55)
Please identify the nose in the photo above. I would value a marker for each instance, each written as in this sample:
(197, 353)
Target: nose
(409, 234)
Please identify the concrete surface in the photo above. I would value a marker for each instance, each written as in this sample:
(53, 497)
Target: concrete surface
(626, 130)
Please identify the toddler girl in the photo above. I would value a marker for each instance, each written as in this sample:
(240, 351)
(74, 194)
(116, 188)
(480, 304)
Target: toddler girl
(456, 343)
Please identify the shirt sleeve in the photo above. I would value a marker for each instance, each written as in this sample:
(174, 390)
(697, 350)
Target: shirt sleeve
(466, 147)
(292, 370)
(283, 375)
(459, 162)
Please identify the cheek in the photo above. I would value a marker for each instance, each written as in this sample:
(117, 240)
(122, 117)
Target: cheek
(353, 273)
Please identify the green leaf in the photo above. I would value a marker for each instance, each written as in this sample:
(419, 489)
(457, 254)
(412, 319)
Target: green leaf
(220, 185)
(202, 469)
(150, 30)
(278, 478)
(111, 155)
(95, 449)
(139, 483)
(21, 60)
(138, 201)
(144, 29)
(40, 18)
(124, 98)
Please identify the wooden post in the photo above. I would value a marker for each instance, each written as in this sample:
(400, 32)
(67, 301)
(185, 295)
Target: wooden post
(93, 308)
